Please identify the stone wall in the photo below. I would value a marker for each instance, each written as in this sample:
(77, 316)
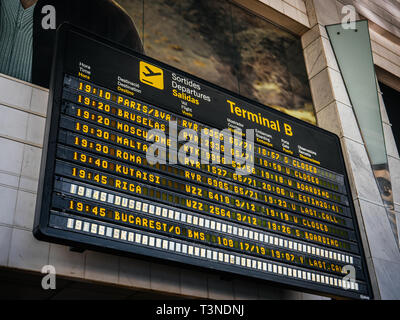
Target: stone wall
(335, 113)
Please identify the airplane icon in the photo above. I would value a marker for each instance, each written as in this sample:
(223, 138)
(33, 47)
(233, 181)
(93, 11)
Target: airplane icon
(151, 75)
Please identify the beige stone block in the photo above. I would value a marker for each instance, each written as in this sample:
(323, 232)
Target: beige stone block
(5, 242)
(245, 290)
(391, 147)
(11, 156)
(345, 2)
(313, 34)
(194, 283)
(327, 12)
(35, 130)
(291, 295)
(372, 276)
(382, 10)
(386, 65)
(359, 222)
(9, 180)
(276, 4)
(321, 90)
(25, 210)
(268, 292)
(290, 11)
(388, 276)
(328, 119)
(31, 162)
(39, 101)
(301, 6)
(318, 56)
(13, 122)
(385, 40)
(339, 7)
(386, 53)
(384, 115)
(360, 173)
(349, 125)
(219, 289)
(329, 54)
(28, 184)
(312, 16)
(26, 252)
(312, 297)
(394, 168)
(339, 119)
(303, 18)
(134, 273)
(101, 267)
(338, 87)
(8, 200)
(165, 278)
(315, 58)
(66, 262)
(332, 87)
(397, 213)
(380, 237)
(15, 93)
(293, 3)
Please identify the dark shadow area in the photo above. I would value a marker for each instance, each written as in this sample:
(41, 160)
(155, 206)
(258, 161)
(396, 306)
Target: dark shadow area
(391, 98)
(21, 285)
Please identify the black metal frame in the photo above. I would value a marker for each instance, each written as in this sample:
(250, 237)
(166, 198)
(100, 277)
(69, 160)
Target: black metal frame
(42, 231)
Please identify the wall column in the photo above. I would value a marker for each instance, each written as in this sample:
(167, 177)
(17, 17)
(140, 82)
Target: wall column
(335, 113)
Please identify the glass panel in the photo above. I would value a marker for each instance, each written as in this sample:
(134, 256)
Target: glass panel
(194, 36)
(228, 46)
(353, 52)
(263, 73)
(271, 66)
(354, 55)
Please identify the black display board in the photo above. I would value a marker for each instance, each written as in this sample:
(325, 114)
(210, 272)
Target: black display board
(290, 221)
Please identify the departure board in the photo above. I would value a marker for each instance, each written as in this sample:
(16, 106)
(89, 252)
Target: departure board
(272, 201)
